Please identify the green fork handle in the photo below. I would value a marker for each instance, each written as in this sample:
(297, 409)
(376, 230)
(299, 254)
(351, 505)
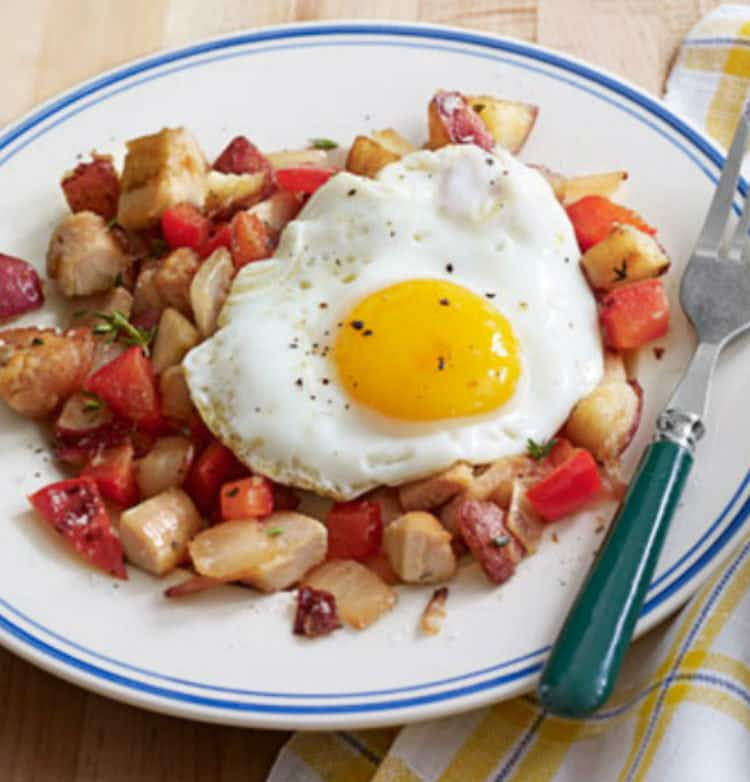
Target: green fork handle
(585, 660)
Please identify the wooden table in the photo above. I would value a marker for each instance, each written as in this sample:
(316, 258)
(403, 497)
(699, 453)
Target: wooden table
(53, 731)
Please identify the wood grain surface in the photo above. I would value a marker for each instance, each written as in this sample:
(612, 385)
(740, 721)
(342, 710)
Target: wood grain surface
(51, 731)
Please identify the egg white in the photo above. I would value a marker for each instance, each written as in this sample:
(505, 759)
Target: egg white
(266, 384)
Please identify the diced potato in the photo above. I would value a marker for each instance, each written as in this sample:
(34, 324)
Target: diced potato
(366, 156)
(496, 481)
(361, 597)
(605, 185)
(436, 490)
(625, 256)
(173, 278)
(146, 296)
(83, 255)
(291, 158)
(393, 141)
(522, 520)
(209, 290)
(161, 171)
(174, 337)
(508, 121)
(117, 299)
(41, 368)
(176, 404)
(269, 555)
(605, 421)
(433, 615)
(156, 532)
(225, 192)
(419, 548)
(165, 466)
(277, 210)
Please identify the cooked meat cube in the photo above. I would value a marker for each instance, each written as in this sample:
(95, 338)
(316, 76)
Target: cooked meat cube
(83, 256)
(41, 368)
(482, 526)
(269, 555)
(436, 490)
(162, 170)
(174, 276)
(419, 548)
(146, 296)
(156, 532)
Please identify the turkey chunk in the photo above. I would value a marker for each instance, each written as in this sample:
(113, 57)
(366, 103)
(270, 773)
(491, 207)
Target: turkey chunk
(419, 549)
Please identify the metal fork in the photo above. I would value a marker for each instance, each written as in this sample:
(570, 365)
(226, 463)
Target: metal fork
(715, 295)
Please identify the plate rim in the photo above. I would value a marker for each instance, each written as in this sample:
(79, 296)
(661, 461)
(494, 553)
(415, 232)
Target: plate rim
(441, 703)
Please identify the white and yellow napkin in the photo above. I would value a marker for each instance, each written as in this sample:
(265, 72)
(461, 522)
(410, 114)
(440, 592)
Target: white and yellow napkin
(682, 711)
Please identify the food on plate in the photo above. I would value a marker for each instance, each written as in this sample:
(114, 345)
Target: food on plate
(432, 340)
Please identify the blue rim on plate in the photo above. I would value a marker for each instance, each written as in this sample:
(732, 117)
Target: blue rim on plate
(118, 677)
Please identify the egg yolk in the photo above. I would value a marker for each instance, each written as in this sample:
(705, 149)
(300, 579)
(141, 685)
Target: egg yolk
(424, 349)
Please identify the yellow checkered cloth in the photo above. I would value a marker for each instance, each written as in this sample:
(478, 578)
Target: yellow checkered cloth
(683, 710)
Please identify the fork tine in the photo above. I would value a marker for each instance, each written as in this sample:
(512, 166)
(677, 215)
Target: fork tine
(737, 246)
(718, 213)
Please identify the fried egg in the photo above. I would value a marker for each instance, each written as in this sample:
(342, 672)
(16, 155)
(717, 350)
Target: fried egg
(434, 314)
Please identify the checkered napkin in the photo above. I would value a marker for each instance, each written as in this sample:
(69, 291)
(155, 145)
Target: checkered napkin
(682, 711)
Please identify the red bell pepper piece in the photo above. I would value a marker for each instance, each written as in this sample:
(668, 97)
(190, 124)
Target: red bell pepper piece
(184, 226)
(252, 240)
(594, 216)
(20, 287)
(113, 471)
(209, 471)
(220, 237)
(74, 508)
(241, 156)
(635, 314)
(93, 187)
(355, 530)
(249, 498)
(303, 179)
(568, 488)
(127, 385)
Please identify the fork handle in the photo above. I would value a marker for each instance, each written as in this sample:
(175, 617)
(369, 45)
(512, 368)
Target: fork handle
(585, 660)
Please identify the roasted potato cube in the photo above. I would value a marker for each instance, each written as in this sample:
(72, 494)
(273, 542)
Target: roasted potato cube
(269, 555)
(173, 278)
(496, 480)
(419, 548)
(366, 156)
(146, 296)
(605, 185)
(452, 121)
(160, 171)
(83, 255)
(209, 290)
(605, 421)
(156, 532)
(625, 256)
(393, 141)
(277, 210)
(436, 490)
(174, 337)
(361, 596)
(41, 368)
(176, 404)
(228, 192)
(508, 121)
(165, 466)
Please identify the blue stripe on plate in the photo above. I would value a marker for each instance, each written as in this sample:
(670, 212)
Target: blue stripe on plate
(51, 110)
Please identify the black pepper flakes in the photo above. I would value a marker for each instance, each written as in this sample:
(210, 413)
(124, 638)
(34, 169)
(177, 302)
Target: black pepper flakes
(298, 382)
(352, 191)
(323, 305)
(325, 381)
(367, 333)
(444, 302)
(232, 492)
(490, 295)
(490, 161)
(358, 325)
(449, 268)
(441, 363)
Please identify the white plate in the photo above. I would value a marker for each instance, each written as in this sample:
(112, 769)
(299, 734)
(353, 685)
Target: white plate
(229, 656)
